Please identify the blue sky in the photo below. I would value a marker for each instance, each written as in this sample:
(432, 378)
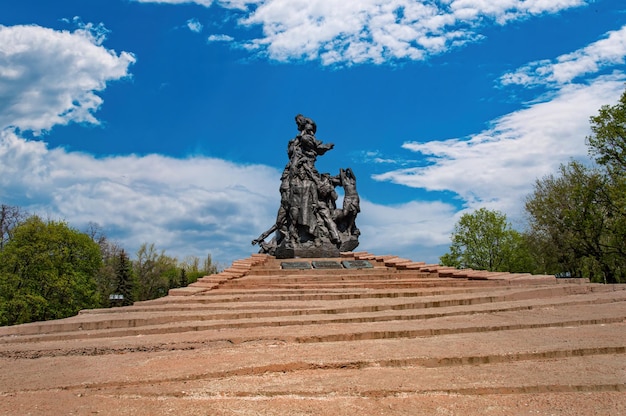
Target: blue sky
(167, 121)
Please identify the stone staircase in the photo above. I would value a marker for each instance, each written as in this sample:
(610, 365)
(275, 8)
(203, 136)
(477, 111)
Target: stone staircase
(387, 336)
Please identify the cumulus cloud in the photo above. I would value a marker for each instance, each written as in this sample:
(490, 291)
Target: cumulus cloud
(50, 77)
(349, 32)
(376, 31)
(607, 52)
(191, 206)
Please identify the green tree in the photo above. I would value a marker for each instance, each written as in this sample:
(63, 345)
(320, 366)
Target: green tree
(46, 272)
(125, 279)
(106, 278)
(578, 217)
(184, 281)
(193, 269)
(568, 220)
(608, 140)
(484, 240)
(608, 145)
(154, 272)
(209, 267)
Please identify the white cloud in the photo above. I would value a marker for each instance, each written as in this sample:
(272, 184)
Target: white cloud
(498, 167)
(194, 25)
(341, 32)
(348, 32)
(220, 38)
(188, 206)
(50, 77)
(503, 11)
(344, 32)
(604, 53)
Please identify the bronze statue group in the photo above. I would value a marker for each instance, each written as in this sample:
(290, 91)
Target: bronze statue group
(308, 223)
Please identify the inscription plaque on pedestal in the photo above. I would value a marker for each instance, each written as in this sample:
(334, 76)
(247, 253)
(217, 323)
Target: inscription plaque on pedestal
(357, 264)
(326, 265)
(295, 265)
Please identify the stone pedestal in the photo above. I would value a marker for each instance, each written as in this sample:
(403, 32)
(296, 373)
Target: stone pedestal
(307, 250)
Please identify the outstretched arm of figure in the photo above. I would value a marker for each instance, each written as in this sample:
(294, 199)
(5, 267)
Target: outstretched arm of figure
(265, 234)
(324, 147)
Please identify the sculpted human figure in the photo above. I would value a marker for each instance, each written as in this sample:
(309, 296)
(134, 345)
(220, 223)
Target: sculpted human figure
(326, 207)
(310, 146)
(351, 201)
(304, 201)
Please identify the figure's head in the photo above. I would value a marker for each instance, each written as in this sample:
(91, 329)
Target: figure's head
(306, 124)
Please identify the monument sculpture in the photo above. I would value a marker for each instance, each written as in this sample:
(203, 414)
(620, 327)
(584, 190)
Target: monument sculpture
(308, 223)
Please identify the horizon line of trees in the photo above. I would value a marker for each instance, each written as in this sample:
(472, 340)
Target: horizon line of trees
(576, 217)
(49, 270)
